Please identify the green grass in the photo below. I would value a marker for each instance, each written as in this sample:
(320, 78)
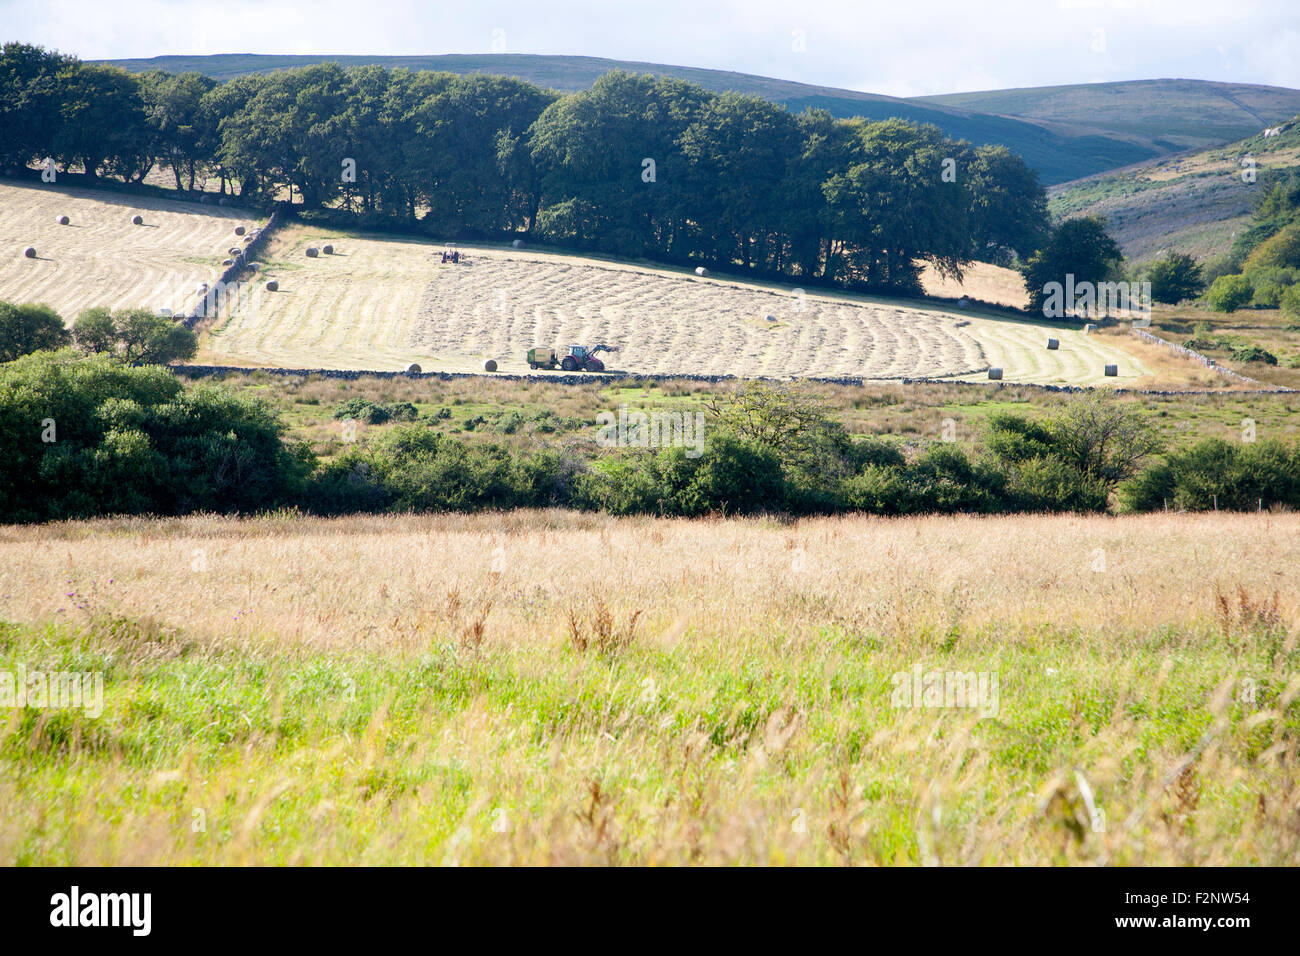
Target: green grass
(913, 414)
(234, 755)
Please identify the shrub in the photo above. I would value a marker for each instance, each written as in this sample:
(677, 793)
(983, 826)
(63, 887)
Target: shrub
(1229, 293)
(1289, 302)
(1049, 484)
(1102, 438)
(1253, 353)
(29, 328)
(133, 440)
(136, 336)
(1282, 249)
(1012, 439)
(621, 485)
(373, 413)
(1270, 284)
(1214, 472)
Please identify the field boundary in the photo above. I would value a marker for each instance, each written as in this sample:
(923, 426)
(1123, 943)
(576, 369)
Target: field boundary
(207, 371)
(199, 311)
(1195, 356)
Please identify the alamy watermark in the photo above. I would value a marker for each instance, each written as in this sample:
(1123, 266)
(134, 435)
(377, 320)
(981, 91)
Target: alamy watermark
(53, 689)
(651, 430)
(1127, 299)
(967, 690)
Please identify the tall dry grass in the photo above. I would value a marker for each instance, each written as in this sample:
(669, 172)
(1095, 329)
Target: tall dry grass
(546, 687)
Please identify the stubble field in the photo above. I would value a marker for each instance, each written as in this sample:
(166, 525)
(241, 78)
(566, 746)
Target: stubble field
(100, 258)
(384, 303)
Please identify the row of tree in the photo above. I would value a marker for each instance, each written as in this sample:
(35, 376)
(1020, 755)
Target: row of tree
(634, 166)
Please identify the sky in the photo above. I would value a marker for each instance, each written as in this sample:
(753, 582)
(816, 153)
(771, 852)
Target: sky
(895, 47)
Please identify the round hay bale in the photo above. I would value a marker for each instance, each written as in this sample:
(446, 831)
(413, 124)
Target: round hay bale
(1112, 370)
(770, 318)
(518, 243)
(1088, 328)
(205, 199)
(413, 369)
(1053, 345)
(490, 365)
(202, 288)
(312, 252)
(62, 220)
(235, 251)
(137, 220)
(701, 271)
(29, 252)
(327, 249)
(254, 266)
(995, 374)
(962, 303)
(227, 262)
(240, 230)
(273, 286)
(223, 201)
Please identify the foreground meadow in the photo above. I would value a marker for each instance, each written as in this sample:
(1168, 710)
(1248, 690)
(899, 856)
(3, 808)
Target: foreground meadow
(548, 687)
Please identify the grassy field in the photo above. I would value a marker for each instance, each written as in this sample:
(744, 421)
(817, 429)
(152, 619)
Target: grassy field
(382, 303)
(522, 414)
(545, 687)
(100, 258)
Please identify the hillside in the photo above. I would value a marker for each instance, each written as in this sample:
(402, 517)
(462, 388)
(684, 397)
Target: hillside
(1064, 136)
(1167, 115)
(1194, 202)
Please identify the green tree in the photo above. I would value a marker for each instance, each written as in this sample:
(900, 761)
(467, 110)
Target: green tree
(1008, 206)
(135, 336)
(1077, 247)
(186, 136)
(1175, 277)
(1229, 293)
(29, 328)
(29, 102)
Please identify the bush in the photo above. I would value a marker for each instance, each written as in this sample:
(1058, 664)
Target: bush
(29, 328)
(1253, 353)
(1012, 439)
(1049, 484)
(1289, 302)
(622, 485)
(1282, 249)
(1229, 293)
(1270, 284)
(732, 476)
(1235, 477)
(1102, 438)
(375, 413)
(136, 336)
(86, 436)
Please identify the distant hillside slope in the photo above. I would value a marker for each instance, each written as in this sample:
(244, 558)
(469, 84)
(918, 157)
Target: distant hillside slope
(1169, 115)
(1089, 140)
(1193, 203)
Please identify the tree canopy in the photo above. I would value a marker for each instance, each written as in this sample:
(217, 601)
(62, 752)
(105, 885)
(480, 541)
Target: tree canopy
(636, 165)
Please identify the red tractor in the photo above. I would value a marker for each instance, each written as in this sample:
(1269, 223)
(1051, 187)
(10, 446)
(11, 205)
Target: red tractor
(579, 358)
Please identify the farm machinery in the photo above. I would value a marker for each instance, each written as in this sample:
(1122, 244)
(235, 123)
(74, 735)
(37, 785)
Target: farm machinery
(579, 358)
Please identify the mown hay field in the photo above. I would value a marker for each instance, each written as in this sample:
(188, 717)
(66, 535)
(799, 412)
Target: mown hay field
(385, 303)
(548, 687)
(100, 258)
